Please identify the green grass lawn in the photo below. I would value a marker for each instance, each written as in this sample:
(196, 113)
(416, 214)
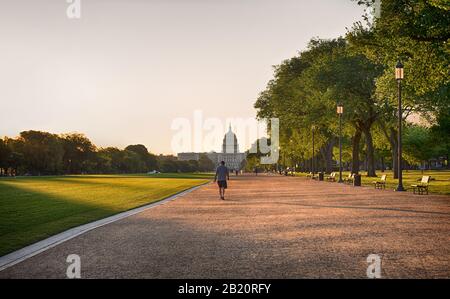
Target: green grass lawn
(440, 183)
(34, 208)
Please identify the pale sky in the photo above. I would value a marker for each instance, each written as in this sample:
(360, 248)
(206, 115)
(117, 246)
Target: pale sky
(124, 71)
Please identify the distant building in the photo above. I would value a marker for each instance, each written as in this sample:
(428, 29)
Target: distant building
(189, 156)
(230, 153)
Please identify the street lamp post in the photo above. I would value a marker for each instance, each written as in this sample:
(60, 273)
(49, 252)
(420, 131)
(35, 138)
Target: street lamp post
(399, 75)
(340, 111)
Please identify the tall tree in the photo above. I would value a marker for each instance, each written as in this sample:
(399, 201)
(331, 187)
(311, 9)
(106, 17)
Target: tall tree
(418, 145)
(43, 152)
(306, 90)
(5, 153)
(205, 164)
(146, 157)
(78, 152)
(416, 32)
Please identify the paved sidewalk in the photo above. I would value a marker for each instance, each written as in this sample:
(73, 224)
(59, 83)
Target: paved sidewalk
(269, 227)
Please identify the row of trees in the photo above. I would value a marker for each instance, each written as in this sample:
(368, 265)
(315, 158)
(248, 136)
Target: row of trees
(42, 153)
(358, 72)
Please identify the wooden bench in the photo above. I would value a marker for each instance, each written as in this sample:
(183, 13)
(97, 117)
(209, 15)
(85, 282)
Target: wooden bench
(423, 186)
(349, 179)
(309, 175)
(332, 177)
(381, 184)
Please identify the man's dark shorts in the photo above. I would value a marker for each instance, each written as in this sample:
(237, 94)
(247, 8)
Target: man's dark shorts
(222, 184)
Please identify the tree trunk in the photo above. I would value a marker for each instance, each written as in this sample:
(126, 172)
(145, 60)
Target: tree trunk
(330, 156)
(383, 165)
(355, 151)
(323, 158)
(327, 154)
(365, 162)
(371, 172)
(393, 142)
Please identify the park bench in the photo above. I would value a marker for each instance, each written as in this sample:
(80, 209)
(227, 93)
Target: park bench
(309, 175)
(349, 179)
(332, 177)
(381, 184)
(422, 187)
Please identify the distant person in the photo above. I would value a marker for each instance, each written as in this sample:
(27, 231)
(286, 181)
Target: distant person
(256, 171)
(222, 174)
(237, 172)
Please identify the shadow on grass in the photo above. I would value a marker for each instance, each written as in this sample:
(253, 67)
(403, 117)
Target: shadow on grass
(32, 211)
(30, 216)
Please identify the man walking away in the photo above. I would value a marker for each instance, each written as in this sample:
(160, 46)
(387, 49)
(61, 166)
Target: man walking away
(222, 174)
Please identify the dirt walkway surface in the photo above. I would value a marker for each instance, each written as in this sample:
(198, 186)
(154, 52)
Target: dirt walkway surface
(269, 227)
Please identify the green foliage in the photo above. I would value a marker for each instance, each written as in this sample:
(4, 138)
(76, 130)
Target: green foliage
(306, 90)
(149, 160)
(170, 164)
(78, 152)
(205, 164)
(5, 152)
(416, 32)
(42, 153)
(440, 134)
(358, 72)
(417, 144)
(255, 153)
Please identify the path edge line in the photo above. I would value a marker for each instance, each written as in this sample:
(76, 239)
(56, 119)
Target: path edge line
(29, 251)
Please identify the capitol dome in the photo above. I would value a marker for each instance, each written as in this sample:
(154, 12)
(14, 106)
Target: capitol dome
(230, 143)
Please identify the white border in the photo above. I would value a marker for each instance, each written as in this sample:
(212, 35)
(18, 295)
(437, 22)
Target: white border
(20, 255)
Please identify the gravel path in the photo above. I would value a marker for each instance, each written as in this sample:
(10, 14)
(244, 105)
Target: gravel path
(269, 227)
